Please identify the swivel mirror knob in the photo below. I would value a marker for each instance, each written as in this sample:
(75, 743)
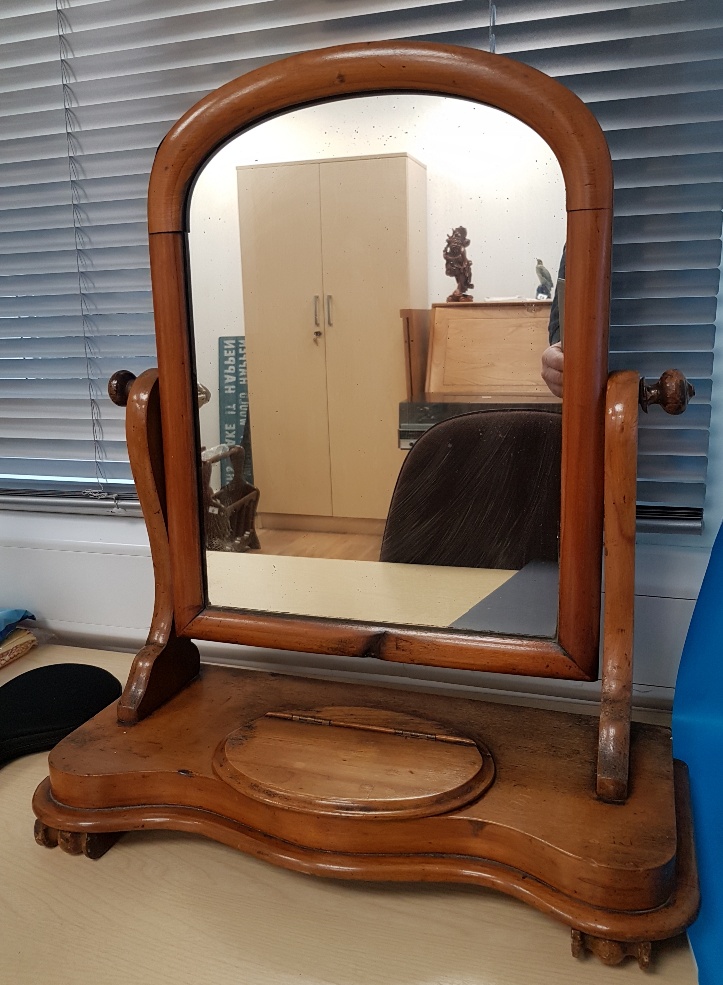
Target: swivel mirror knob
(672, 391)
(119, 386)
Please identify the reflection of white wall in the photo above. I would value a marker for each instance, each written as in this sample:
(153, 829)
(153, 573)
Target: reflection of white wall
(485, 171)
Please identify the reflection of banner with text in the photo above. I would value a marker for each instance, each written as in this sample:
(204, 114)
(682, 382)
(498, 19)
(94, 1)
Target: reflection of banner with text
(233, 402)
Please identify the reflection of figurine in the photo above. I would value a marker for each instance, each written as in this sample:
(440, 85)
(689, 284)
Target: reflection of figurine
(457, 264)
(544, 289)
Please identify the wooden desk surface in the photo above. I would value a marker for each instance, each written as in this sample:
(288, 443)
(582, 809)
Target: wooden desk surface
(170, 909)
(371, 591)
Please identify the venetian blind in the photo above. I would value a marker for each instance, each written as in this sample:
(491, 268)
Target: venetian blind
(652, 73)
(88, 89)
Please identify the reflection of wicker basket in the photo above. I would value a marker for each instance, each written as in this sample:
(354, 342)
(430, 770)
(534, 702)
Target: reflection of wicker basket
(15, 645)
(230, 513)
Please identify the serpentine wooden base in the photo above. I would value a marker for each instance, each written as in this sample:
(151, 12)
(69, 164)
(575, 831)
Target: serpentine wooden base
(348, 781)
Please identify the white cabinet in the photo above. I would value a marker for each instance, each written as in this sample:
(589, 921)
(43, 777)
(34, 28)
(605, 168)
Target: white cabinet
(331, 251)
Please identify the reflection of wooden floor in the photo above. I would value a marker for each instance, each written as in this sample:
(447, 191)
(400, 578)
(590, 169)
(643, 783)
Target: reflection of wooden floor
(313, 543)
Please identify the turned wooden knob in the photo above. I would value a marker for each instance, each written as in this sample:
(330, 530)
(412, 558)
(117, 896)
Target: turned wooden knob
(119, 386)
(672, 391)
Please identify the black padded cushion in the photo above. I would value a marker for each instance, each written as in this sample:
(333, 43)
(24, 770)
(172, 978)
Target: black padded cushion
(42, 706)
(479, 491)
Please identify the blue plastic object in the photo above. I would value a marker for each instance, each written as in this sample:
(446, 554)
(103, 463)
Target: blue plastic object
(9, 618)
(698, 741)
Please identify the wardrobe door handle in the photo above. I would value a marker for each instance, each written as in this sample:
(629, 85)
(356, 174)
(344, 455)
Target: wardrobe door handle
(316, 310)
(329, 322)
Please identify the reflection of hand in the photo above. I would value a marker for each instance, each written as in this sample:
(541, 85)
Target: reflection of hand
(552, 361)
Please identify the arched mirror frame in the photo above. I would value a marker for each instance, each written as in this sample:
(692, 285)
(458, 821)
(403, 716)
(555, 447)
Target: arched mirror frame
(563, 121)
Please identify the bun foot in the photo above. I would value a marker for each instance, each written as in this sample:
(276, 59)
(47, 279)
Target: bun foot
(92, 845)
(45, 837)
(611, 952)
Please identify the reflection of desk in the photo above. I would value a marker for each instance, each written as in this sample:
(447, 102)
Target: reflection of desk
(369, 591)
(488, 347)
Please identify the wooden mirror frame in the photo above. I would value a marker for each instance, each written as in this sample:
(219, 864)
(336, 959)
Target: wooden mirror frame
(575, 137)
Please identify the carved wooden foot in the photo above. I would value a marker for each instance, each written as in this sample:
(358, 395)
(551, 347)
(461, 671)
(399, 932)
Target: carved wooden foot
(45, 836)
(611, 952)
(92, 845)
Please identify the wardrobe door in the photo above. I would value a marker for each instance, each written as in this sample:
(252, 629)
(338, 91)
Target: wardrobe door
(365, 232)
(285, 336)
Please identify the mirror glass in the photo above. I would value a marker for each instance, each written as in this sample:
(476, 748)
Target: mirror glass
(371, 284)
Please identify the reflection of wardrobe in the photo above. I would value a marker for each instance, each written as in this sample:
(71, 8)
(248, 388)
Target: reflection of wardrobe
(331, 250)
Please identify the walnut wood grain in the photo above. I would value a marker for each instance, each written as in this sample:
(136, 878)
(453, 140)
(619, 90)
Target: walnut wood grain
(397, 644)
(386, 66)
(587, 306)
(580, 147)
(354, 761)
(672, 392)
(621, 453)
(622, 872)
(167, 662)
(611, 952)
(179, 407)
(93, 845)
(624, 391)
(119, 386)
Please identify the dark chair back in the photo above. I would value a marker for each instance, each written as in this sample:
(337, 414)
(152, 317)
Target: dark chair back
(481, 491)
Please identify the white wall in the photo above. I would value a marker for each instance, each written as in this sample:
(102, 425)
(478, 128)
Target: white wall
(485, 171)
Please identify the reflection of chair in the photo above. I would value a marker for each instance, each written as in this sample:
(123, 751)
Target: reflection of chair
(230, 513)
(480, 491)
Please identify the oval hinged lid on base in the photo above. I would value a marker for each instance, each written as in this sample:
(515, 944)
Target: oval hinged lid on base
(353, 760)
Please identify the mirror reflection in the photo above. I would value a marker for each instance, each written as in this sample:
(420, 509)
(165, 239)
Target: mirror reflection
(372, 282)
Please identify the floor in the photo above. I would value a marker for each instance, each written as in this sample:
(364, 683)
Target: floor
(173, 909)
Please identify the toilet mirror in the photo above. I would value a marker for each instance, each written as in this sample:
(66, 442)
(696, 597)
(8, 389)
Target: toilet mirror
(492, 150)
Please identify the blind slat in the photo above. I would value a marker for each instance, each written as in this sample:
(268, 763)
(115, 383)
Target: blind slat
(113, 302)
(670, 227)
(121, 234)
(103, 346)
(28, 375)
(635, 21)
(64, 470)
(56, 325)
(63, 261)
(673, 198)
(670, 255)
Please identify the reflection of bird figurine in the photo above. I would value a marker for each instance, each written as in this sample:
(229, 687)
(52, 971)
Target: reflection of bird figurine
(543, 275)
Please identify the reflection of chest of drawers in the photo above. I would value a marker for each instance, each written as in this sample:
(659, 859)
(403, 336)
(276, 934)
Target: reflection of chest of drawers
(491, 349)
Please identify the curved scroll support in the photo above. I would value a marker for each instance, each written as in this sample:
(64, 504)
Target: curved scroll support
(167, 663)
(621, 449)
(672, 391)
